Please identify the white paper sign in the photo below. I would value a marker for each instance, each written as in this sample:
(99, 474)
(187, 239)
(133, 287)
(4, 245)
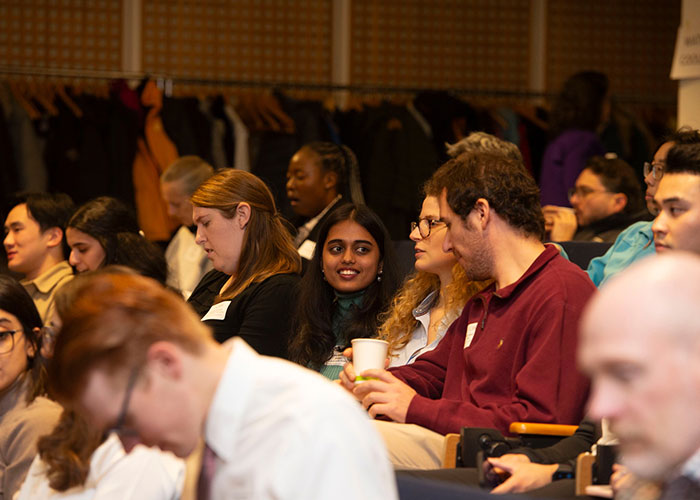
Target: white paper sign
(686, 58)
(217, 311)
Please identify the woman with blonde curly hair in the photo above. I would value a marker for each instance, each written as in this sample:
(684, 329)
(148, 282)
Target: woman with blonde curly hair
(432, 298)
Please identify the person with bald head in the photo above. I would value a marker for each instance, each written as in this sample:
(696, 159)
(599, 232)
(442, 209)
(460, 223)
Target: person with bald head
(645, 368)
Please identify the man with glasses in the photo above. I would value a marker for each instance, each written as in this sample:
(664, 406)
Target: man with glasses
(637, 241)
(510, 356)
(135, 359)
(606, 199)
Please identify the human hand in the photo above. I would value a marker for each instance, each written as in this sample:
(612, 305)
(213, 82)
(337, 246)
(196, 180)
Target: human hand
(384, 395)
(559, 222)
(347, 375)
(524, 475)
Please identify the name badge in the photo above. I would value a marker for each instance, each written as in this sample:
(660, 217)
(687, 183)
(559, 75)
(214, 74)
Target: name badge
(306, 250)
(337, 359)
(471, 330)
(217, 311)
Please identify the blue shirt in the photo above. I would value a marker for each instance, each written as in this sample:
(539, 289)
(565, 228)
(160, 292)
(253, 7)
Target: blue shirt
(632, 244)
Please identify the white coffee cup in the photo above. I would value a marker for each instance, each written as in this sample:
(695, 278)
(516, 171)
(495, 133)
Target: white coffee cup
(368, 354)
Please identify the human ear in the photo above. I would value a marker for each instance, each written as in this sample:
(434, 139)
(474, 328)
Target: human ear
(619, 202)
(54, 236)
(483, 212)
(29, 348)
(330, 180)
(165, 358)
(243, 214)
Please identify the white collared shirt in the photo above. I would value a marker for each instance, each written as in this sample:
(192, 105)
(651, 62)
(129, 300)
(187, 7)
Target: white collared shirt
(281, 431)
(114, 475)
(419, 339)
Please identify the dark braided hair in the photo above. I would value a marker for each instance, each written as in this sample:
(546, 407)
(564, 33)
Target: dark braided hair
(341, 160)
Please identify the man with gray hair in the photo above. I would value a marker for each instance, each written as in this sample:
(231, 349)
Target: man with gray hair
(645, 368)
(187, 262)
(481, 142)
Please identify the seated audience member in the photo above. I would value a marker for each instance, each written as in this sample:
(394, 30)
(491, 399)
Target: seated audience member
(36, 246)
(430, 299)
(105, 232)
(25, 414)
(99, 468)
(606, 199)
(637, 241)
(579, 109)
(433, 297)
(510, 355)
(351, 279)
(251, 291)
(677, 227)
(187, 262)
(321, 176)
(132, 352)
(539, 471)
(645, 368)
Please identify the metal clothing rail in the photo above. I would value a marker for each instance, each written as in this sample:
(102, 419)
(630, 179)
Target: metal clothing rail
(169, 80)
(188, 80)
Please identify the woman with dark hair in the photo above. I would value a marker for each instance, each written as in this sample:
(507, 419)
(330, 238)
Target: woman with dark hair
(76, 462)
(350, 281)
(578, 111)
(251, 291)
(103, 232)
(320, 177)
(24, 413)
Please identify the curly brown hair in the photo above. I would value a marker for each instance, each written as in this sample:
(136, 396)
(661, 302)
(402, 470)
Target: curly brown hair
(398, 322)
(504, 182)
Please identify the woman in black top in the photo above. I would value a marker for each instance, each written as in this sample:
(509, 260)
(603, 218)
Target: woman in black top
(250, 292)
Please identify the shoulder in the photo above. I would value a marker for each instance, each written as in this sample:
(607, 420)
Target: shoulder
(110, 460)
(35, 419)
(276, 283)
(562, 279)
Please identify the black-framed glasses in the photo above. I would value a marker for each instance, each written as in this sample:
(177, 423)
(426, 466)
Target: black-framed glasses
(425, 226)
(655, 169)
(7, 340)
(119, 428)
(583, 191)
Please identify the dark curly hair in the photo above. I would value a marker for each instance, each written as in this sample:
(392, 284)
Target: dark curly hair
(618, 177)
(504, 182)
(313, 340)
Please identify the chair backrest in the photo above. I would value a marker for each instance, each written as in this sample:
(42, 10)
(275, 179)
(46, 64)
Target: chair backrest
(581, 252)
(405, 255)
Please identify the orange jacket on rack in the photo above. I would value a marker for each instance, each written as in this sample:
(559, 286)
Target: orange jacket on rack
(153, 156)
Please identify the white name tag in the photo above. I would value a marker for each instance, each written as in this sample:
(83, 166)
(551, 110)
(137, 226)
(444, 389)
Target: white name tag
(217, 311)
(337, 359)
(306, 250)
(471, 330)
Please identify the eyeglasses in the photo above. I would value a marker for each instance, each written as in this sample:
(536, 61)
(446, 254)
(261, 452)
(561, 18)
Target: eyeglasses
(425, 226)
(7, 340)
(655, 169)
(118, 428)
(583, 191)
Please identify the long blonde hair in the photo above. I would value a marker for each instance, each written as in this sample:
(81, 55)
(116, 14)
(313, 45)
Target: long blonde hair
(267, 247)
(398, 322)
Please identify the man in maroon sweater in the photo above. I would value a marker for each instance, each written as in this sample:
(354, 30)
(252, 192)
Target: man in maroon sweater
(511, 355)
